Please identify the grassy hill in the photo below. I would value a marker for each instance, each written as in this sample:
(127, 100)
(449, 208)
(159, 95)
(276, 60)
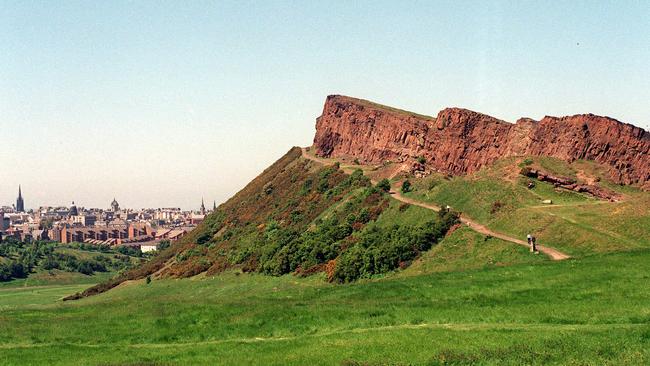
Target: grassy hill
(302, 217)
(576, 223)
(314, 264)
(589, 311)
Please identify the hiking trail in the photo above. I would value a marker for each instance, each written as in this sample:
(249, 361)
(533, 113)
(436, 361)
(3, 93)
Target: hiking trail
(554, 254)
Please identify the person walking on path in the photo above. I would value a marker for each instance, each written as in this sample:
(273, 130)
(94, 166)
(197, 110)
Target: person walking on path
(529, 238)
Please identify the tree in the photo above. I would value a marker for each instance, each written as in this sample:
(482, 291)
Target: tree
(164, 244)
(384, 185)
(406, 186)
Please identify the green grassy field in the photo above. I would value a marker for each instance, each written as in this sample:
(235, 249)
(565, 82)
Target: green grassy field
(469, 300)
(595, 310)
(575, 223)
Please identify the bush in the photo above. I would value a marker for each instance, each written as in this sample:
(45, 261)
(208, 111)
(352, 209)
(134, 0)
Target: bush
(203, 238)
(12, 270)
(164, 244)
(50, 263)
(384, 185)
(406, 187)
(421, 159)
(131, 251)
(379, 249)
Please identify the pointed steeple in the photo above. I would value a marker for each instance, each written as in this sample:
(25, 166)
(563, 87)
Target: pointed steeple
(202, 207)
(214, 205)
(20, 204)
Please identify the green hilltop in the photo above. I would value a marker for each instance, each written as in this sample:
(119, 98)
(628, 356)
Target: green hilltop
(329, 262)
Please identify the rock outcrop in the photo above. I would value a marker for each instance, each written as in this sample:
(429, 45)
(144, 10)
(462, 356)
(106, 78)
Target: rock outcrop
(571, 184)
(459, 141)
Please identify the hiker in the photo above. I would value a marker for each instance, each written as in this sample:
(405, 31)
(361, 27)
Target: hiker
(530, 242)
(534, 246)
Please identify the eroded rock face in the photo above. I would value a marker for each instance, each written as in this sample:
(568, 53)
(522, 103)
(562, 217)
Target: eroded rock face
(459, 141)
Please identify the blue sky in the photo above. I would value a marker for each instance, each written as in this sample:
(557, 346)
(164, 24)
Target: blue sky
(162, 103)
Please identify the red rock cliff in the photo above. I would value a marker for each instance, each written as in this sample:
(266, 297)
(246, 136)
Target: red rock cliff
(460, 141)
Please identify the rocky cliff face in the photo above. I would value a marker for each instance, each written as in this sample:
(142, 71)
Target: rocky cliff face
(459, 141)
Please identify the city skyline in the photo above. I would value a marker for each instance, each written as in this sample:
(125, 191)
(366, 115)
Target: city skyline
(161, 103)
(19, 205)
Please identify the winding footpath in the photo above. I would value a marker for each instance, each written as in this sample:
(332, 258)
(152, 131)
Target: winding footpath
(554, 254)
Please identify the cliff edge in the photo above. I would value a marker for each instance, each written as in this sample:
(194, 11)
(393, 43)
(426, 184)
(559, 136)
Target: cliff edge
(459, 141)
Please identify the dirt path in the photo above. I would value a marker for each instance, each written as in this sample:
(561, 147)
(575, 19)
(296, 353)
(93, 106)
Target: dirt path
(552, 253)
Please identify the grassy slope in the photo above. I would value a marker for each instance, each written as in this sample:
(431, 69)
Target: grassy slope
(575, 223)
(469, 300)
(465, 249)
(593, 311)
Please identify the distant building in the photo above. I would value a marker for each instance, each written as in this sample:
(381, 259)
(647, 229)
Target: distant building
(115, 206)
(196, 219)
(4, 222)
(84, 220)
(148, 247)
(73, 210)
(20, 204)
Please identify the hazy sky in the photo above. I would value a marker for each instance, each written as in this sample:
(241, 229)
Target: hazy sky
(162, 103)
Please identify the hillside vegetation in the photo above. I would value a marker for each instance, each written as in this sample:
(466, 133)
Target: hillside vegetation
(576, 223)
(303, 217)
(591, 311)
(45, 262)
(315, 264)
(300, 217)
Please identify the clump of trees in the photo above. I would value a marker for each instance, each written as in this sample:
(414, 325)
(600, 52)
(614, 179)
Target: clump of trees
(12, 270)
(18, 259)
(379, 250)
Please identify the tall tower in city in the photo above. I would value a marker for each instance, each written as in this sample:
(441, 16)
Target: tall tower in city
(114, 205)
(20, 204)
(202, 207)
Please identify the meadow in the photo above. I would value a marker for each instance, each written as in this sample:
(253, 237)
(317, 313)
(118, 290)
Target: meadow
(470, 299)
(595, 310)
(574, 223)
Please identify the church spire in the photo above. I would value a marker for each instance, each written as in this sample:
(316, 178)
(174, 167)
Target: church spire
(20, 204)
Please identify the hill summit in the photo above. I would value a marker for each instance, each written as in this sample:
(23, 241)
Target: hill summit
(459, 141)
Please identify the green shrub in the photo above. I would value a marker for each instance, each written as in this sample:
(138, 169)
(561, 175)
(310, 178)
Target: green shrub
(164, 244)
(406, 187)
(380, 250)
(384, 185)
